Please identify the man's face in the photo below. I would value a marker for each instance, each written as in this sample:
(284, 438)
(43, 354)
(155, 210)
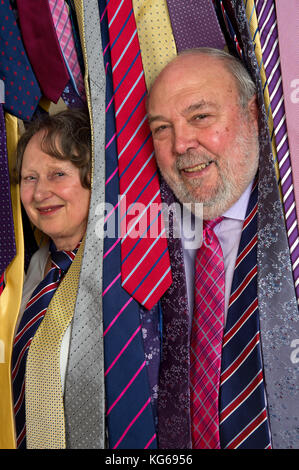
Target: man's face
(206, 145)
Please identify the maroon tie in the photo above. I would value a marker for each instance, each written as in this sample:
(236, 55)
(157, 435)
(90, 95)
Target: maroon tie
(42, 47)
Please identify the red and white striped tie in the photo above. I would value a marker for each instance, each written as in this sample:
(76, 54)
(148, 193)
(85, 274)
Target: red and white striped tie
(146, 272)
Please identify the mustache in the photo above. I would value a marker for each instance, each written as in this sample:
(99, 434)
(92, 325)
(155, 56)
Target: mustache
(192, 158)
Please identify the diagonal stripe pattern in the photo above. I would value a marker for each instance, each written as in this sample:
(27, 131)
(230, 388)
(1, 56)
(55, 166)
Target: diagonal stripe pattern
(206, 340)
(130, 420)
(227, 24)
(65, 37)
(146, 272)
(243, 415)
(31, 319)
(266, 16)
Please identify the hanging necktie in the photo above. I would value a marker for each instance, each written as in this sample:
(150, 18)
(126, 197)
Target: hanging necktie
(146, 272)
(230, 34)
(1, 283)
(45, 420)
(129, 415)
(22, 92)
(243, 414)
(276, 292)
(63, 27)
(7, 236)
(206, 340)
(42, 47)
(286, 31)
(84, 395)
(254, 30)
(158, 48)
(31, 319)
(270, 49)
(155, 37)
(195, 24)
(174, 424)
(10, 299)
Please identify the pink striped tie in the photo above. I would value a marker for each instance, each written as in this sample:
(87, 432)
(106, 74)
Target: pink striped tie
(146, 273)
(206, 340)
(63, 27)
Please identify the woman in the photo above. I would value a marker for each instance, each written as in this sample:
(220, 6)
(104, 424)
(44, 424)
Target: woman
(53, 169)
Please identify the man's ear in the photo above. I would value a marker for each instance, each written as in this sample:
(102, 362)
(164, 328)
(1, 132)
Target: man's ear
(253, 111)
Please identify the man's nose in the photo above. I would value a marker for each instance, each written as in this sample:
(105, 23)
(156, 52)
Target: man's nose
(185, 138)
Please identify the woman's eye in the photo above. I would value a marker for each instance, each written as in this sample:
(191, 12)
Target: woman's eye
(28, 178)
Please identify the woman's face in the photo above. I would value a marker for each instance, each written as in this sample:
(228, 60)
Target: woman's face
(53, 196)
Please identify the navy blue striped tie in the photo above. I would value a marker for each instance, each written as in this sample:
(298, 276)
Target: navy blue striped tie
(129, 412)
(243, 412)
(31, 319)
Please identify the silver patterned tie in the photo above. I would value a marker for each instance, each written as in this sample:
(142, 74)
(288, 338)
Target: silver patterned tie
(84, 389)
(279, 318)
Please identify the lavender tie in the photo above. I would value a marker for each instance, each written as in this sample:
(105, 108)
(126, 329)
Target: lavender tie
(194, 23)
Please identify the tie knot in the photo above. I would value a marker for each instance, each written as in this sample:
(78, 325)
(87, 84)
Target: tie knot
(208, 229)
(62, 259)
(211, 224)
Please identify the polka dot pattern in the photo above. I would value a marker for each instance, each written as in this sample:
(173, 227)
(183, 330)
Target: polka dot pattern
(44, 403)
(195, 24)
(22, 92)
(7, 239)
(155, 36)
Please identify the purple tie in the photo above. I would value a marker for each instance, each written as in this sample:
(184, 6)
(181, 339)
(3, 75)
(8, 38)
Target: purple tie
(195, 24)
(266, 16)
(7, 237)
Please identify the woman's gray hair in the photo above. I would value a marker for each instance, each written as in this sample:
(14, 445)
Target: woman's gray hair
(245, 84)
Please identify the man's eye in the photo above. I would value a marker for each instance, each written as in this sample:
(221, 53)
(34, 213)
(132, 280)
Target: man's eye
(199, 117)
(59, 173)
(159, 129)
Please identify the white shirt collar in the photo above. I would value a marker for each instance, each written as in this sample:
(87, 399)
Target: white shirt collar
(238, 210)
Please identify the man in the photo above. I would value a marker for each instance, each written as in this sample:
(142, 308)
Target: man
(203, 115)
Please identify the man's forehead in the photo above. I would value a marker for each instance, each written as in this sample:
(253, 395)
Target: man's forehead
(199, 63)
(191, 71)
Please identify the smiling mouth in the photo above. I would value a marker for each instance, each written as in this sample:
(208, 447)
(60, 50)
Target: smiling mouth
(48, 210)
(199, 167)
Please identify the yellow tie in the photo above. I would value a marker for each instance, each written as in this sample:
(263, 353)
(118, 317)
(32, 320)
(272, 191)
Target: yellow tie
(253, 26)
(44, 403)
(45, 427)
(10, 300)
(155, 36)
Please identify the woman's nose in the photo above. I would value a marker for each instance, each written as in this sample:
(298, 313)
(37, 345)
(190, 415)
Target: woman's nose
(42, 189)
